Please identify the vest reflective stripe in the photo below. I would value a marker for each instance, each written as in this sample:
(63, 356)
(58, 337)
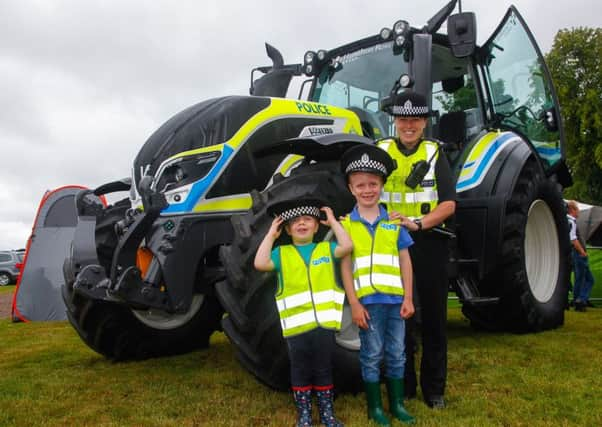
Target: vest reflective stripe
(424, 196)
(306, 297)
(302, 319)
(384, 259)
(375, 258)
(310, 297)
(386, 280)
(401, 198)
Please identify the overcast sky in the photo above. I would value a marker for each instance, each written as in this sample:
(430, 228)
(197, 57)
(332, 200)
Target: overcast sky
(84, 83)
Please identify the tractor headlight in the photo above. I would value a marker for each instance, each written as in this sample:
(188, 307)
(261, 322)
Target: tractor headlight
(385, 33)
(178, 195)
(179, 174)
(321, 55)
(400, 40)
(309, 56)
(405, 81)
(400, 27)
(185, 170)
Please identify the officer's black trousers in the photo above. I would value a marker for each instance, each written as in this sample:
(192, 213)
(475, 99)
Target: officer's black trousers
(429, 259)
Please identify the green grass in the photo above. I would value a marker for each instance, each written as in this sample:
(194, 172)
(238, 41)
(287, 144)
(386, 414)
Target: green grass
(7, 289)
(48, 377)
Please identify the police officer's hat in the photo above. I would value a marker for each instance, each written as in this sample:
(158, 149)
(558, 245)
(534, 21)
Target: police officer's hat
(291, 209)
(408, 104)
(367, 158)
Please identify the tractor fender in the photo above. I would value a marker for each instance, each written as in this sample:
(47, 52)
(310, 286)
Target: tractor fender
(487, 176)
(327, 147)
(492, 165)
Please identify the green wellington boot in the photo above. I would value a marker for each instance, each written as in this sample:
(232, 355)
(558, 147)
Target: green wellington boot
(395, 392)
(375, 404)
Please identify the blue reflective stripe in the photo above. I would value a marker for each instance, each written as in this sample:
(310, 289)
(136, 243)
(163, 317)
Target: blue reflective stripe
(485, 161)
(199, 188)
(548, 151)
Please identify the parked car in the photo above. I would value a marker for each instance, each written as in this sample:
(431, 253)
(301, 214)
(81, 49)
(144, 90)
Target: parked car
(10, 266)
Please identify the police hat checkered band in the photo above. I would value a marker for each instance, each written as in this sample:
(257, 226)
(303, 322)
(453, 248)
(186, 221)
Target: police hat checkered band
(289, 214)
(405, 110)
(365, 163)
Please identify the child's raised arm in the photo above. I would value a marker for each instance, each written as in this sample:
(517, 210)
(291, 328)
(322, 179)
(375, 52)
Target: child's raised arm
(344, 243)
(263, 259)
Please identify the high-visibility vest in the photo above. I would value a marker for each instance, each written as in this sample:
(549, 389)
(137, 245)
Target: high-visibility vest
(309, 296)
(375, 258)
(411, 202)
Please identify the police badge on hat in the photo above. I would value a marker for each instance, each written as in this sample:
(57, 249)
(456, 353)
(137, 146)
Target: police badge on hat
(367, 158)
(291, 209)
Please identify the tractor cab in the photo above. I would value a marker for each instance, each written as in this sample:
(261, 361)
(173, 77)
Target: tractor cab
(503, 84)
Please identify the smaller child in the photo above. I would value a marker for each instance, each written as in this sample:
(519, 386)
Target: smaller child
(378, 280)
(309, 301)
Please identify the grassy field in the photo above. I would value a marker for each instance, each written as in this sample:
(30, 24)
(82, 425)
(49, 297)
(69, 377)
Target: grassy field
(7, 289)
(50, 378)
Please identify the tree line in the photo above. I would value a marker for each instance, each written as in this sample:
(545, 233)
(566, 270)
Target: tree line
(575, 65)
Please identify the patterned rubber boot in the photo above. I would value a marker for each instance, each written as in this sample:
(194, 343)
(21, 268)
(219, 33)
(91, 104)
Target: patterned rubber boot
(326, 407)
(302, 396)
(395, 391)
(375, 404)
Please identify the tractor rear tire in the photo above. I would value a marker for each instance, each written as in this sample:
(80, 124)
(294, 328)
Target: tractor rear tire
(120, 333)
(533, 277)
(247, 295)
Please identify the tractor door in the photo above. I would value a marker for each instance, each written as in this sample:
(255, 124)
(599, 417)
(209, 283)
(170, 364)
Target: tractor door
(519, 94)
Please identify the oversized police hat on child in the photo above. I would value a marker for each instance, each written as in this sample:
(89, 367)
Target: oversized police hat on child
(290, 209)
(367, 158)
(408, 104)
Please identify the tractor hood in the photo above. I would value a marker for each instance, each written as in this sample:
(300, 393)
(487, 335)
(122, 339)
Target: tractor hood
(204, 124)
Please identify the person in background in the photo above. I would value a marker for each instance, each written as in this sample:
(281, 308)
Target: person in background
(309, 300)
(584, 279)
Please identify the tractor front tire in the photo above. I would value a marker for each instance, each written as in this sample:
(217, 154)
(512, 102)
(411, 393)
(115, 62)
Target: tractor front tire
(119, 332)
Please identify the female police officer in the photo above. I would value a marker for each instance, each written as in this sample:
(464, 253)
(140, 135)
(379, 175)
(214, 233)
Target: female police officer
(422, 190)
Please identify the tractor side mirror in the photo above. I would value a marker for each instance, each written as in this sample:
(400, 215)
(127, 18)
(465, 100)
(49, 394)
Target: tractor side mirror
(462, 33)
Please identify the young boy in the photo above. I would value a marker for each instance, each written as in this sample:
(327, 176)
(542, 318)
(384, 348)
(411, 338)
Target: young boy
(309, 301)
(378, 280)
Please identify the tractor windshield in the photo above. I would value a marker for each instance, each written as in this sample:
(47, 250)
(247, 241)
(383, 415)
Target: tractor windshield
(522, 95)
(363, 77)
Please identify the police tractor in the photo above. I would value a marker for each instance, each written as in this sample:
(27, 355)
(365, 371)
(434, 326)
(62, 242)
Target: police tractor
(158, 272)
